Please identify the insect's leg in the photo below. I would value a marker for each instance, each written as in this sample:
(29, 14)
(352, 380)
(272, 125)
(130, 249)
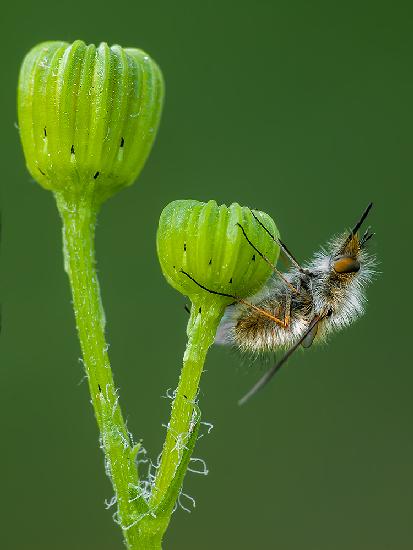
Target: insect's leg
(266, 259)
(290, 256)
(284, 248)
(287, 311)
(260, 310)
(265, 313)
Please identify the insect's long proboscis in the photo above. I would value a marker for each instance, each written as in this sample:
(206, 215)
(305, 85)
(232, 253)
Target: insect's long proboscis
(361, 220)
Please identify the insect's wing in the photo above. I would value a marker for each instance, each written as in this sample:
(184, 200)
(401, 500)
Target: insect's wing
(225, 332)
(263, 381)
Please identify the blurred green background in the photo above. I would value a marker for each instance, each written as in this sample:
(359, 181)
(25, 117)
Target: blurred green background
(304, 110)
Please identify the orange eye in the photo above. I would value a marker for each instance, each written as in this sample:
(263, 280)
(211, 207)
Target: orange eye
(346, 264)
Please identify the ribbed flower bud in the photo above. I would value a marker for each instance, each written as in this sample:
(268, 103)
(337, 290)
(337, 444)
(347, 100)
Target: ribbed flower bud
(87, 116)
(205, 241)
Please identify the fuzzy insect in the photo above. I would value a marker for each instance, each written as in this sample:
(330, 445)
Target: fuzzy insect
(303, 305)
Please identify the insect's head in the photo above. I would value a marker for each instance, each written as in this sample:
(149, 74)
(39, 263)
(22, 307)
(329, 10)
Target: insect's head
(347, 259)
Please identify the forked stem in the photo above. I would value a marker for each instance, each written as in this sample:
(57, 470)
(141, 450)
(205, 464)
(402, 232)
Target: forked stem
(143, 525)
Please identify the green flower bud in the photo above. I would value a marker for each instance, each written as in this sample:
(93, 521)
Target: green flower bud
(205, 241)
(87, 116)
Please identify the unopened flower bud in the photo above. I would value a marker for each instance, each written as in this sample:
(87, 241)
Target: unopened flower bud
(87, 116)
(205, 242)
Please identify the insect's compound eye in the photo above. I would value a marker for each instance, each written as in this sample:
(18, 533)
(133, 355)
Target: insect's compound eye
(346, 264)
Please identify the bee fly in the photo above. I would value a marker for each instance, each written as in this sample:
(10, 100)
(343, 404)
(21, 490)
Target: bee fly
(303, 305)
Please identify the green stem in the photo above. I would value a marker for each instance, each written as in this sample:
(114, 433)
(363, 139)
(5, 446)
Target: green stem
(79, 219)
(202, 326)
(142, 530)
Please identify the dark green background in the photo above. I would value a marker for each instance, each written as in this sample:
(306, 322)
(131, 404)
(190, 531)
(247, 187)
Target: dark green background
(302, 109)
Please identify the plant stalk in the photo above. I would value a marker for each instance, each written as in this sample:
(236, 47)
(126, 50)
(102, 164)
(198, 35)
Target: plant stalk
(79, 220)
(202, 326)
